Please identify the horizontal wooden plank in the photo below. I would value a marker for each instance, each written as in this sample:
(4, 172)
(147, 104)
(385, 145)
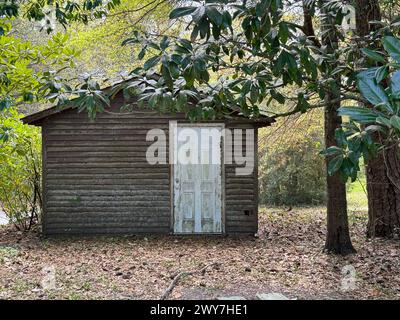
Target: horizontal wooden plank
(111, 187)
(141, 141)
(106, 214)
(94, 160)
(107, 201)
(93, 132)
(106, 120)
(239, 197)
(141, 154)
(96, 165)
(144, 170)
(241, 225)
(238, 186)
(112, 207)
(115, 203)
(239, 202)
(95, 137)
(72, 218)
(234, 193)
(107, 226)
(106, 231)
(100, 182)
(107, 126)
(109, 149)
(125, 115)
(245, 180)
(51, 198)
(232, 219)
(96, 176)
(135, 193)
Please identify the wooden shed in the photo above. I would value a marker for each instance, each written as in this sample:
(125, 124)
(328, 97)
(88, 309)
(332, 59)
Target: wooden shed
(97, 179)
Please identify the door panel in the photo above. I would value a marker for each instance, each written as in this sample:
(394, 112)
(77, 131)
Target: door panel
(197, 186)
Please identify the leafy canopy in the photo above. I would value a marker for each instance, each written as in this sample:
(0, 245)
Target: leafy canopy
(380, 86)
(237, 55)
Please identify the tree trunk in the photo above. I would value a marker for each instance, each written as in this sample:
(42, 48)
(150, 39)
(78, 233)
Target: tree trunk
(338, 237)
(383, 185)
(383, 195)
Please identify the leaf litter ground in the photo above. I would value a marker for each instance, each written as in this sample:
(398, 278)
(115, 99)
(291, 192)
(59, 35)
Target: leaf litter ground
(286, 257)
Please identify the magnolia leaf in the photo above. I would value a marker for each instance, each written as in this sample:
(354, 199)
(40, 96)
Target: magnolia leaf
(358, 114)
(181, 11)
(374, 55)
(335, 164)
(395, 84)
(371, 91)
(395, 122)
(392, 46)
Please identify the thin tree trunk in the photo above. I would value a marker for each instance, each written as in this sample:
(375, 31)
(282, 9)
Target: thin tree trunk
(338, 238)
(383, 195)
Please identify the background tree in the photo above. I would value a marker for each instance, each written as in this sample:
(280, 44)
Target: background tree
(383, 196)
(338, 237)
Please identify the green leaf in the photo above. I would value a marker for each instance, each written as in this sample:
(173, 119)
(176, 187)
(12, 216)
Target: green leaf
(335, 164)
(331, 151)
(262, 6)
(214, 15)
(181, 11)
(5, 104)
(151, 62)
(277, 96)
(392, 46)
(395, 84)
(374, 55)
(384, 121)
(142, 53)
(164, 43)
(381, 73)
(354, 157)
(371, 91)
(395, 122)
(340, 137)
(358, 114)
(284, 32)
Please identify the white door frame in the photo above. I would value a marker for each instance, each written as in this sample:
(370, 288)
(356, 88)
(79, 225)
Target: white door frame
(173, 125)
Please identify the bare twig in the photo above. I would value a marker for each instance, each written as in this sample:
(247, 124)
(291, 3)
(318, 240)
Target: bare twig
(182, 275)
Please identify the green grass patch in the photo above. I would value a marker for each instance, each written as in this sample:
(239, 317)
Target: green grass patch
(357, 195)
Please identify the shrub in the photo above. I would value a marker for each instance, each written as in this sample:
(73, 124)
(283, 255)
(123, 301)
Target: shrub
(291, 171)
(20, 170)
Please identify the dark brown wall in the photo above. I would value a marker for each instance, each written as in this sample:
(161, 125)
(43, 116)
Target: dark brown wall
(97, 180)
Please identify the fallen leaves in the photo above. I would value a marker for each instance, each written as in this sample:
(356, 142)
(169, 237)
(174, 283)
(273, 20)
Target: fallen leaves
(286, 257)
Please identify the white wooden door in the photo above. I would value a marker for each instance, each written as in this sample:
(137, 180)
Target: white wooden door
(197, 183)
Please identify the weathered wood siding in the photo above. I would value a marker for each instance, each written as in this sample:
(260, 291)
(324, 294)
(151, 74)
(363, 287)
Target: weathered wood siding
(241, 192)
(97, 181)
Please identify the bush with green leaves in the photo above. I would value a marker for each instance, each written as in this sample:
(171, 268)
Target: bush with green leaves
(20, 170)
(291, 172)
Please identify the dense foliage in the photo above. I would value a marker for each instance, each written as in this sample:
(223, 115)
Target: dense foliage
(380, 86)
(20, 171)
(291, 171)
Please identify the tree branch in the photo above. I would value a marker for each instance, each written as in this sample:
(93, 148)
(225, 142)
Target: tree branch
(182, 275)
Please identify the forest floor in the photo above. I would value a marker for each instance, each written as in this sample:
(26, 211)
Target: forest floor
(287, 258)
